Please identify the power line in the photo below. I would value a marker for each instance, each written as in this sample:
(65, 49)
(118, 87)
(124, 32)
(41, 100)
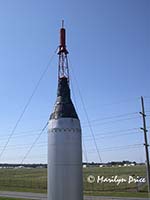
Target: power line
(112, 117)
(121, 102)
(93, 151)
(44, 143)
(18, 135)
(114, 136)
(27, 104)
(25, 146)
(147, 97)
(104, 149)
(125, 148)
(119, 120)
(87, 138)
(36, 131)
(97, 135)
(119, 147)
(118, 131)
(92, 121)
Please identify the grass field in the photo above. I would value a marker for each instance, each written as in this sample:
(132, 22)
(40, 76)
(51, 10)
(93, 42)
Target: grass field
(6, 198)
(35, 180)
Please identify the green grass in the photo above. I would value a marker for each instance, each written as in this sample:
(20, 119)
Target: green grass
(35, 180)
(28, 180)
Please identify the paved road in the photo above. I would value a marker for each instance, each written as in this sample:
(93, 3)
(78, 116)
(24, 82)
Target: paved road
(24, 195)
(38, 196)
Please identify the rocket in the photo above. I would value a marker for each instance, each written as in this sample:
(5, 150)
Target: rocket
(65, 181)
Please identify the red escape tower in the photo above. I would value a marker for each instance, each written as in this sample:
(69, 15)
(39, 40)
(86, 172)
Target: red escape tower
(63, 70)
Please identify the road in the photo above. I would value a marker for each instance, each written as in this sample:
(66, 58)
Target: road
(38, 196)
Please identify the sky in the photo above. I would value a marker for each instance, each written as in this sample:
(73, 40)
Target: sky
(109, 46)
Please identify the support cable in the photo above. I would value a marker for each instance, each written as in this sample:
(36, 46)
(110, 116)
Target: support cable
(90, 126)
(85, 152)
(27, 104)
(73, 93)
(35, 141)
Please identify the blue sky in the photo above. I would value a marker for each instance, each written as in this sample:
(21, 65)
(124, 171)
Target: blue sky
(109, 46)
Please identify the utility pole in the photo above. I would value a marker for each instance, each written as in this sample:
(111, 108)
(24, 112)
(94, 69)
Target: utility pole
(146, 143)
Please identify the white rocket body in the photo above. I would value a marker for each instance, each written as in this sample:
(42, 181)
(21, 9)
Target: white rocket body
(64, 149)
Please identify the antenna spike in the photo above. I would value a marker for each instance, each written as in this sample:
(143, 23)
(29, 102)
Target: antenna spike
(62, 23)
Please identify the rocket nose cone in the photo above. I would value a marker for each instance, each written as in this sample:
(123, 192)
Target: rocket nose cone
(63, 88)
(63, 106)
